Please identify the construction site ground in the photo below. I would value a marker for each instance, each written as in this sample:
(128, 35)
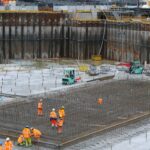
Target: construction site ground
(134, 136)
(123, 99)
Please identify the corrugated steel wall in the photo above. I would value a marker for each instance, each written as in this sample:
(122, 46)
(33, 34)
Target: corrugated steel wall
(128, 41)
(33, 35)
(50, 35)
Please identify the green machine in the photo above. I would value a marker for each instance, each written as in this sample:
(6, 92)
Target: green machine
(136, 68)
(69, 76)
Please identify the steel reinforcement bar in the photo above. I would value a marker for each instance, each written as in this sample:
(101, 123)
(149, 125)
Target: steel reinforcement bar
(47, 142)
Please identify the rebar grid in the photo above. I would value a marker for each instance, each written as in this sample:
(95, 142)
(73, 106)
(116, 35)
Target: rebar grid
(121, 100)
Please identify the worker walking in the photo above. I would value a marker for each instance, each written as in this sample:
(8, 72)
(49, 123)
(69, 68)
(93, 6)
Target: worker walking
(1, 146)
(40, 108)
(21, 140)
(61, 113)
(36, 133)
(8, 145)
(60, 123)
(27, 136)
(53, 118)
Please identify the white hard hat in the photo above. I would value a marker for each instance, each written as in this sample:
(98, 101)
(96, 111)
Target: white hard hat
(7, 139)
(53, 109)
(41, 100)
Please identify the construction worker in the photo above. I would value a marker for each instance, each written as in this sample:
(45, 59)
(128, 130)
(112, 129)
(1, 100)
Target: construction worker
(36, 133)
(40, 108)
(60, 123)
(8, 145)
(53, 118)
(100, 102)
(1, 146)
(27, 136)
(21, 140)
(61, 113)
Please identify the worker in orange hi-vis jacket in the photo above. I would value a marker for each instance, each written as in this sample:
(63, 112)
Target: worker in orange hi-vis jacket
(53, 118)
(61, 113)
(35, 133)
(21, 140)
(40, 108)
(100, 102)
(27, 136)
(8, 145)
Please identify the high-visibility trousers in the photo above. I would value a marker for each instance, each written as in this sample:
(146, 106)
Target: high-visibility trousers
(28, 142)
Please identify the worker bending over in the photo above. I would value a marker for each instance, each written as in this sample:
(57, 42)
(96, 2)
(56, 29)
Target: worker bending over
(8, 145)
(61, 113)
(53, 118)
(27, 136)
(21, 140)
(40, 108)
(36, 133)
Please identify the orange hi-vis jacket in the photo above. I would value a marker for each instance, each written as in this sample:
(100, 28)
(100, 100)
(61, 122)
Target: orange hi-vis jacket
(1, 148)
(20, 139)
(26, 133)
(8, 145)
(40, 105)
(53, 115)
(61, 113)
(100, 101)
(36, 133)
(60, 123)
